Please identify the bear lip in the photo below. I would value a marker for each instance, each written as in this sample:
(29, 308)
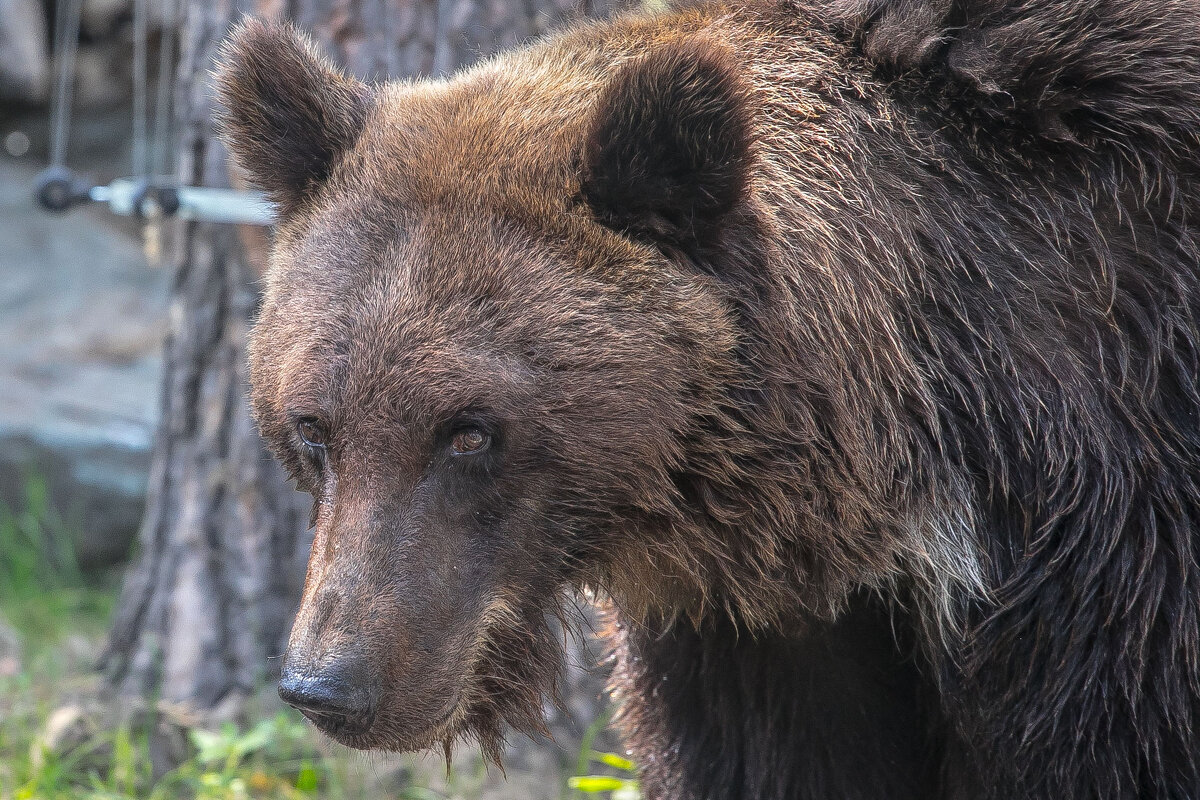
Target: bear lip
(337, 726)
(358, 734)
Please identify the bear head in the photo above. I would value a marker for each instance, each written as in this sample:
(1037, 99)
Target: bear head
(486, 350)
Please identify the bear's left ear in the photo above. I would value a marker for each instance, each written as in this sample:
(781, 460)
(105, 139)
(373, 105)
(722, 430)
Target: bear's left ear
(288, 113)
(668, 153)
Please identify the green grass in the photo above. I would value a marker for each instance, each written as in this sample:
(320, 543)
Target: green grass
(623, 786)
(43, 594)
(60, 616)
(277, 758)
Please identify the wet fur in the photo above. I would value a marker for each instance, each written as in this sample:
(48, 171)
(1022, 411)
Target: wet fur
(916, 445)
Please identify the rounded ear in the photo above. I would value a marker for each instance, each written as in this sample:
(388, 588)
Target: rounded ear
(288, 114)
(668, 152)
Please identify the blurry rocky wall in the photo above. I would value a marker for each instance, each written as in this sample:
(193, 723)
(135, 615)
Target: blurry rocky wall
(82, 314)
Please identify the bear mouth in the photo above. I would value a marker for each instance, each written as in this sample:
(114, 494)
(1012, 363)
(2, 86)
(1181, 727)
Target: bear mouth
(382, 731)
(338, 726)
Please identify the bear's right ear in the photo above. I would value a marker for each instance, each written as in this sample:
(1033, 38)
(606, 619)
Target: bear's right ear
(288, 114)
(669, 149)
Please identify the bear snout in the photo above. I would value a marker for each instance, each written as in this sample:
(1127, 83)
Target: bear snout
(337, 696)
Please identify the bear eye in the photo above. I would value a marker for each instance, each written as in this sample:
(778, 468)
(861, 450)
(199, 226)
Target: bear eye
(312, 432)
(469, 441)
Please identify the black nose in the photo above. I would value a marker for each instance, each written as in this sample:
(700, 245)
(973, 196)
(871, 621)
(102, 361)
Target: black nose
(330, 697)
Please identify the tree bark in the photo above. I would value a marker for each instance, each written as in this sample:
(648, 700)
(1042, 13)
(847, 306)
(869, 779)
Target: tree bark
(207, 604)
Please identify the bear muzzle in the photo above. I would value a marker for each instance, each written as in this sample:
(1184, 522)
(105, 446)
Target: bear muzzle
(334, 696)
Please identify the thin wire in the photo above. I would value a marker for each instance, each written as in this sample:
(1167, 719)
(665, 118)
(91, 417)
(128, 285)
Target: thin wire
(162, 103)
(66, 44)
(141, 164)
(60, 24)
(391, 43)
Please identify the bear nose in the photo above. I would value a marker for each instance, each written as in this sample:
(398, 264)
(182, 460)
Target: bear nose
(330, 698)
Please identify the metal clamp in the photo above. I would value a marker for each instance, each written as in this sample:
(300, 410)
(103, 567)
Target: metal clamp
(58, 189)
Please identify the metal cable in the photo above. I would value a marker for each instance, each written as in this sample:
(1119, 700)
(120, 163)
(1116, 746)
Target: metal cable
(162, 104)
(66, 44)
(140, 158)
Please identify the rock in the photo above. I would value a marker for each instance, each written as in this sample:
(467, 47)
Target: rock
(82, 733)
(24, 62)
(9, 667)
(82, 319)
(67, 728)
(10, 651)
(72, 731)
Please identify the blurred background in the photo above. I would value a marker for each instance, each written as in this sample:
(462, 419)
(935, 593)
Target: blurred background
(151, 553)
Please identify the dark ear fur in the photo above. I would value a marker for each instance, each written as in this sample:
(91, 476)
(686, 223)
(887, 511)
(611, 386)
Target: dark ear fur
(667, 154)
(288, 114)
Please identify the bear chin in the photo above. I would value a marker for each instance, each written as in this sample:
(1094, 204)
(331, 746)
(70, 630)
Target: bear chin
(386, 732)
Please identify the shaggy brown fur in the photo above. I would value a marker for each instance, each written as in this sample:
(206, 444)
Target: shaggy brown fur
(851, 348)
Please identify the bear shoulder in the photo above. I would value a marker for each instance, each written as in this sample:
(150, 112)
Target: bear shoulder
(1127, 71)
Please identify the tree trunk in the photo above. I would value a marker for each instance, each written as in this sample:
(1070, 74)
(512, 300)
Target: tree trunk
(206, 606)
(221, 550)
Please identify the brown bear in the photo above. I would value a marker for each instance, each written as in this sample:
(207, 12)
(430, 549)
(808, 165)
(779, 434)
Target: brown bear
(849, 350)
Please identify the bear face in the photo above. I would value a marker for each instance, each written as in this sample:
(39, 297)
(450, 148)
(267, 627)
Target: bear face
(443, 360)
(465, 467)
